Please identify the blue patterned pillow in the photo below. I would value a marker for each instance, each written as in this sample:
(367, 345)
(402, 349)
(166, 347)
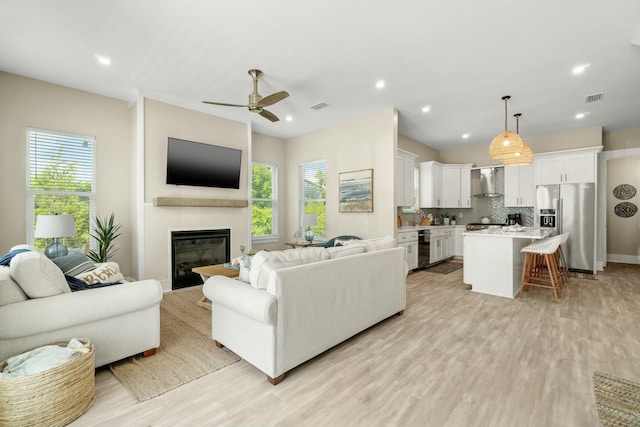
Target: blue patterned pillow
(74, 264)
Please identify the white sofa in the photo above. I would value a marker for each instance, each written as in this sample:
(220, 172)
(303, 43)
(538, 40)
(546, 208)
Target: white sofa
(305, 309)
(37, 307)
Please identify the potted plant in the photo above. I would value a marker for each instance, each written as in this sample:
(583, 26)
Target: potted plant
(105, 232)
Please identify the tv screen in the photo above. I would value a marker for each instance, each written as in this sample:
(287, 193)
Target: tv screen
(202, 165)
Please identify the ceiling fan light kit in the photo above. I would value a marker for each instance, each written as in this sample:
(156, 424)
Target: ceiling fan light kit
(507, 143)
(256, 101)
(523, 157)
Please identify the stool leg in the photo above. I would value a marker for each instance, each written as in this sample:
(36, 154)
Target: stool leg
(553, 273)
(526, 271)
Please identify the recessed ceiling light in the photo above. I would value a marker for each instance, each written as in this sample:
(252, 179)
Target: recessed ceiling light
(426, 108)
(581, 115)
(288, 118)
(579, 69)
(466, 135)
(103, 60)
(380, 84)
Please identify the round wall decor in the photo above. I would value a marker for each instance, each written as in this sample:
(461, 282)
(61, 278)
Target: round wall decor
(625, 209)
(624, 191)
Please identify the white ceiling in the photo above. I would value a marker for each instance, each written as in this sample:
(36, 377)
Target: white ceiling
(459, 57)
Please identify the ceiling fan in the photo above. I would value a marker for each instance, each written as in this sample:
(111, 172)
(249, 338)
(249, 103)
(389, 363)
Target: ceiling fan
(256, 101)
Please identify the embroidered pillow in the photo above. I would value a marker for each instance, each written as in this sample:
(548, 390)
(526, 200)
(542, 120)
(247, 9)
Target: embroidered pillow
(107, 272)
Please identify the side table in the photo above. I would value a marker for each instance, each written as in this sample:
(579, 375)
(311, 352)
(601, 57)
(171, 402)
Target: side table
(207, 271)
(299, 244)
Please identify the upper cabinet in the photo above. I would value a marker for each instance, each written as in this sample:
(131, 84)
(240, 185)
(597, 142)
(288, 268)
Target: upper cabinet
(405, 185)
(430, 185)
(519, 188)
(445, 186)
(456, 186)
(566, 167)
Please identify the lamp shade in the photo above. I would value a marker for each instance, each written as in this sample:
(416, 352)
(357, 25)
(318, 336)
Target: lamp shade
(505, 145)
(48, 226)
(524, 157)
(309, 220)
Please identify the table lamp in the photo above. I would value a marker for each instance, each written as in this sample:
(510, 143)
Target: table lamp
(55, 226)
(309, 220)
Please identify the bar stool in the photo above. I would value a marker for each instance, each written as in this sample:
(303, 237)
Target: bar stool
(541, 265)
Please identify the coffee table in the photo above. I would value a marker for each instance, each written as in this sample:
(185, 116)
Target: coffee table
(207, 271)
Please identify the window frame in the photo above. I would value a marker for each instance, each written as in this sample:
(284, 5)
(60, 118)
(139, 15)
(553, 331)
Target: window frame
(302, 200)
(31, 194)
(274, 236)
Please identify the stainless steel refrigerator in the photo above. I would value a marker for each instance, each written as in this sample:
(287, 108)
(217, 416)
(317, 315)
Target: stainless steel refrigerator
(570, 208)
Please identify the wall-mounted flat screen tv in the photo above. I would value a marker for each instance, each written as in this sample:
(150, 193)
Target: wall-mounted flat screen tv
(202, 165)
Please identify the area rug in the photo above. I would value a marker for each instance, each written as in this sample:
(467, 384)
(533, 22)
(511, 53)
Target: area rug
(186, 351)
(617, 400)
(445, 267)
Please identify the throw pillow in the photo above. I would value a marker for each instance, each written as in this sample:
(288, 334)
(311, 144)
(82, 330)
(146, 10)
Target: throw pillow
(342, 251)
(37, 275)
(107, 272)
(6, 259)
(75, 263)
(245, 268)
(341, 242)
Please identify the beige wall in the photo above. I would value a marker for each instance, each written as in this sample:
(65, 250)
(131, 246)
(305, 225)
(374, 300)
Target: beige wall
(160, 122)
(621, 139)
(425, 154)
(269, 149)
(369, 142)
(623, 234)
(479, 154)
(25, 102)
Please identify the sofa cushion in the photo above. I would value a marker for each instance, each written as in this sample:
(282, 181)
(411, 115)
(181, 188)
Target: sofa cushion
(372, 245)
(10, 291)
(73, 264)
(37, 275)
(265, 262)
(342, 251)
(103, 273)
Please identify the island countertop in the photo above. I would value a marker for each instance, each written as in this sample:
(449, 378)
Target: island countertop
(526, 233)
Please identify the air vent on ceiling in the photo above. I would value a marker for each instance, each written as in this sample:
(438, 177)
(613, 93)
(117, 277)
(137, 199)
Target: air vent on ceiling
(319, 106)
(595, 97)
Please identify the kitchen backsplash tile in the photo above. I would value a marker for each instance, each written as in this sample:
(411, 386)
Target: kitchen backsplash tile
(491, 206)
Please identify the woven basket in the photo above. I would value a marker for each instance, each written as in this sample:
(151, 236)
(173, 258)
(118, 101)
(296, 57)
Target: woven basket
(50, 398)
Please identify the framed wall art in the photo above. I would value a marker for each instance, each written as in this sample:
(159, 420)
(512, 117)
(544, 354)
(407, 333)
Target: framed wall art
(356, 191)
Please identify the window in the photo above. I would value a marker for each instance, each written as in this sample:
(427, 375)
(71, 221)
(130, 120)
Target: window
(314, 193)
(264, 202)
(60, 180)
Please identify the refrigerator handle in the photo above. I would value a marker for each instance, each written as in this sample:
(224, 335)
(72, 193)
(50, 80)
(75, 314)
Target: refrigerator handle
(559, 217)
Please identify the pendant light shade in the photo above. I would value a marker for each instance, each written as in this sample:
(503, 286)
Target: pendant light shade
(523, 157)
(507, 143)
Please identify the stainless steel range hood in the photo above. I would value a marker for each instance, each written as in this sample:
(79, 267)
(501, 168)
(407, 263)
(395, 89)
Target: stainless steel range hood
(487, 181)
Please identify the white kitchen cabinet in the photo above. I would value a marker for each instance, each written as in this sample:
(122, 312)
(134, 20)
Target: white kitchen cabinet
(566, 167)
(456, 186)
(458, 247)
(430, 185)
(405, 185)
(409, 241)
(519, 188)
(442, 244)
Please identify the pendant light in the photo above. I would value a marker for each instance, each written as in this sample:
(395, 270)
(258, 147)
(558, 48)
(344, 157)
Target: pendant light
(507, 143)
(524, 157)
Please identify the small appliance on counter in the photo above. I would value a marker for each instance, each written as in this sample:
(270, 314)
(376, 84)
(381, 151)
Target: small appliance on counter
(514, 219)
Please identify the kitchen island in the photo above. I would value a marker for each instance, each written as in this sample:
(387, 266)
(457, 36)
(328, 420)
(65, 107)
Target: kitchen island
(493, 261)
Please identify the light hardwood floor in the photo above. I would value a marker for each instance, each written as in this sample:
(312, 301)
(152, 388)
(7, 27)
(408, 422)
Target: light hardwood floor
(455, 358)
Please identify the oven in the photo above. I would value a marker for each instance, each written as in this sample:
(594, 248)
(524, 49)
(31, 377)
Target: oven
(424, 248)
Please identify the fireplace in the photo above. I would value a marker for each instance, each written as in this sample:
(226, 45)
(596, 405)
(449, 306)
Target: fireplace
(196, 248)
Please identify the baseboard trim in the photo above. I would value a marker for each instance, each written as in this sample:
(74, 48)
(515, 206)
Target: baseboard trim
(625, 259)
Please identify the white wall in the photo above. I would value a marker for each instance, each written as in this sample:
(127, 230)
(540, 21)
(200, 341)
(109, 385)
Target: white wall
(367, 143)
(160, 122)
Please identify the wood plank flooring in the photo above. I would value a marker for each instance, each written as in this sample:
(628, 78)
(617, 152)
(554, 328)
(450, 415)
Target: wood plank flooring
(455, 358)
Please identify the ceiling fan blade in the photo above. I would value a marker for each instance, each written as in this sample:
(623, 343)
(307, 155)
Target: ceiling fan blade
(273, 98)
(269, 115)
(224, 104)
